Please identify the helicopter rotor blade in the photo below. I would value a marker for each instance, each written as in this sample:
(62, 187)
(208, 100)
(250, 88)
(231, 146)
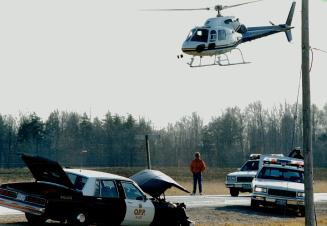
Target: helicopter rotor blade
(194, 9)
(217, 7)
(245, 3)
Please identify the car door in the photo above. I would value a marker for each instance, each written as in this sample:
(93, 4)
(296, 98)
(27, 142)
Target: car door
(107, 206)
(139, 209)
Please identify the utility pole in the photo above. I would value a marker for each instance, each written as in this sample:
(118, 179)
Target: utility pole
(147, 147)
(306, 103)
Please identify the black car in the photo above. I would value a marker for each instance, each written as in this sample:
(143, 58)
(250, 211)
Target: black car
(83, 197)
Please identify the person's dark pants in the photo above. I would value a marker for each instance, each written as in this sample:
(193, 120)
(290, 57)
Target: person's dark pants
(197, 178)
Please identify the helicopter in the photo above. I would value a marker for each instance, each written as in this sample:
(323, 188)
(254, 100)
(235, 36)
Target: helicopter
(221, 35)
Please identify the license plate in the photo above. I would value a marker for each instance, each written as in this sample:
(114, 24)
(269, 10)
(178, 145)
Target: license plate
(246, 186)
(281, 202)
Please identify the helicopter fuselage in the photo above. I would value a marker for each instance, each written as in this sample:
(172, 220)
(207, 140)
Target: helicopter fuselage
(218, 36)
(222, 34)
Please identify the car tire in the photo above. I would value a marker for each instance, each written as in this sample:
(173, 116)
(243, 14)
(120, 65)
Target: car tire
(302, 211)
(254, 204)
(35, 219)
(234, 192)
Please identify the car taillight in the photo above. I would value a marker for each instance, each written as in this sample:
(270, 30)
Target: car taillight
(8, 193)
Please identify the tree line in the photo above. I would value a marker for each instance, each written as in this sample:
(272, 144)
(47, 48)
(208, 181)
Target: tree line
(225, 141)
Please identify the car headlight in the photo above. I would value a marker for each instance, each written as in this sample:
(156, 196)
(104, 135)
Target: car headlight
(231, 178)
(300, 194)
(260, 189)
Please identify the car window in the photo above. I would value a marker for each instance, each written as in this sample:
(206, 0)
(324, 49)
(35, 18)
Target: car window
(77, 181)
(281, 174)
(131, 191)
(250, 166)
(106, 189)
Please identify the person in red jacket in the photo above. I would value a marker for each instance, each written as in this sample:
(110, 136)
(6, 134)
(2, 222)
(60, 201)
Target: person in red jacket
(197, 167)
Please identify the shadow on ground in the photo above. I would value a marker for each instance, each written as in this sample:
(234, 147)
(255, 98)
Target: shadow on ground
(260, 212)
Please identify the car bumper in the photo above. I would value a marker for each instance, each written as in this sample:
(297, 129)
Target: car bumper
(277, 201)
(241, 186)
(21, 206)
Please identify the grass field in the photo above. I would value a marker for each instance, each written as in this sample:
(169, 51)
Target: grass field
(213, 178)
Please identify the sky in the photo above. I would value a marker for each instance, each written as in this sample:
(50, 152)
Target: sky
(99, 56)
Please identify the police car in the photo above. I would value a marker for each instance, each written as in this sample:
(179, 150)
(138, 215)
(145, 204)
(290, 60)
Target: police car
(84, 197)
(280, 182)
(241, 181)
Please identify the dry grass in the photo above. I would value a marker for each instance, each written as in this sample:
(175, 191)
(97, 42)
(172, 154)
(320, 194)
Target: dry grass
(217, 187)
(320, 186)
(213, 178)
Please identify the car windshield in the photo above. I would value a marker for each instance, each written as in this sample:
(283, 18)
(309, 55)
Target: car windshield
(200, 35)
(251, 165)
(283, 174)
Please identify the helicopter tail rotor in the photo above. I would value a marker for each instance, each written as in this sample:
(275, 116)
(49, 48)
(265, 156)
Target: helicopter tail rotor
(289, 22)
(290, 14)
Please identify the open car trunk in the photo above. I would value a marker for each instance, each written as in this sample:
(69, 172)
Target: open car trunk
(46, 170)
(155, 182)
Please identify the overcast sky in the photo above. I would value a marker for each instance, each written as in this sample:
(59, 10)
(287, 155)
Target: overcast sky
(108, 55)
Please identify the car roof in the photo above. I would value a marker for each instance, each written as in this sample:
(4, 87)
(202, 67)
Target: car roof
(96, 174)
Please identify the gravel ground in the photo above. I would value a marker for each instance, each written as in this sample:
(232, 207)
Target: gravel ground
(212, 216)
(244, 215)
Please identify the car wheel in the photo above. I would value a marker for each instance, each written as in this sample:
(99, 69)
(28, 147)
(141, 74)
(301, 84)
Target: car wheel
(79, 219)
(302, 211)
(254, 204)
(35, 219)
(234, 192)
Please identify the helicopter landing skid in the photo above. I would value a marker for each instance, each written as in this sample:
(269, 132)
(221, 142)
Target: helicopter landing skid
(221, 60)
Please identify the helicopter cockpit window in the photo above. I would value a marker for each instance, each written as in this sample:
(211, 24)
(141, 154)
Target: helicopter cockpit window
(201, 35)
(213, 36)
(228, 21)
(221, 35)
(190, 34)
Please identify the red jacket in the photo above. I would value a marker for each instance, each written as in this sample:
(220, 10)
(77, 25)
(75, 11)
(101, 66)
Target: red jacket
(197, 166)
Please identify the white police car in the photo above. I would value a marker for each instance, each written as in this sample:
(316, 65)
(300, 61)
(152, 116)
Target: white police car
(279, 183)
(84, 197)
(241, 181)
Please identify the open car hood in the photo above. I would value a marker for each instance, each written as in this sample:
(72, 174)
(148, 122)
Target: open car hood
(47, 170)
(155, 182)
